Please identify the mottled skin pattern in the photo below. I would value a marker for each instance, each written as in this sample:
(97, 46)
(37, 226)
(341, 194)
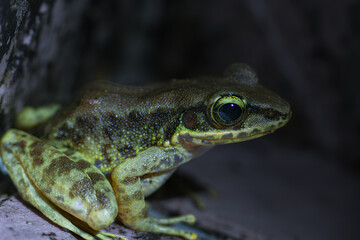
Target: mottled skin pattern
(97, 158)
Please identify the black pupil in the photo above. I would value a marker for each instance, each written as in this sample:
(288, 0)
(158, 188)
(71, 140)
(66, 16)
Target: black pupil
(230, 112)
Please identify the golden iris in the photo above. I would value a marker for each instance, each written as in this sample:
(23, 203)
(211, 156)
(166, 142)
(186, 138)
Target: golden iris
(228, 110)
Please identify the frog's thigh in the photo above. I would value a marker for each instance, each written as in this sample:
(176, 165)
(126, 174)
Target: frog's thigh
(73, 185)
(29, 193)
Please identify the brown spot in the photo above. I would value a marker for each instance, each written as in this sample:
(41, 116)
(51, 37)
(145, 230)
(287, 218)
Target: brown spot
(81, 188)
(242, 134)
(61, 165)
(39, 160)
(178, 159)
(129, 181)
(160, 118)
(37, 144)
(108, 133)
(21, 145)
(185, 138)
(60, 198)
(83, 164)
(102, 199)
(190, 120)
(269, 128)
(255, 131)
(84, 122)
(37, 149)
(135, 117)
(137, 196)
(96, 177)
(227, 136)
(165, 163)
(113, 120)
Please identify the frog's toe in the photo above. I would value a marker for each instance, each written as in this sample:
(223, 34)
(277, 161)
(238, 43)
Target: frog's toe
(189, 219)
(109, 236)
(155, 225)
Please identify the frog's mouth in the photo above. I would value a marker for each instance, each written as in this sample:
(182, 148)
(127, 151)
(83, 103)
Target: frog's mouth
(219, 138)
(223, 136)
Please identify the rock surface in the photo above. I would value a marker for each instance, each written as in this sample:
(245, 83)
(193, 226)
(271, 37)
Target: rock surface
(18, 220)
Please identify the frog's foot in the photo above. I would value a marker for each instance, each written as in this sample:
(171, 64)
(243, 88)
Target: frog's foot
(156, 225)
(108, 236)
(31, 117)
(189, 219)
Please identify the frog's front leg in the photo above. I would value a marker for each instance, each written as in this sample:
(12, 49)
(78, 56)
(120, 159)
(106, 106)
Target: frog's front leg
(52, 181)
(126, 181)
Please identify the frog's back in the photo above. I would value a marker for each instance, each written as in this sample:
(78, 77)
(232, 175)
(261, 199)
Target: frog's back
(109, 123)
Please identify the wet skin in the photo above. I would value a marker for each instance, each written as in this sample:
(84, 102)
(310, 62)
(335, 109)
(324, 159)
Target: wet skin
(96, 159)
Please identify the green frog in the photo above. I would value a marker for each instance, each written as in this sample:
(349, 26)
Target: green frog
(87, 163)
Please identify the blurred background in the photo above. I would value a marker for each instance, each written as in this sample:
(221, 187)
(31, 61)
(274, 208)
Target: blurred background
(303, 182)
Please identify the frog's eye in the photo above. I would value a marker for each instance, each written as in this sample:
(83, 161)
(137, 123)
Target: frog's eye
(228, 110)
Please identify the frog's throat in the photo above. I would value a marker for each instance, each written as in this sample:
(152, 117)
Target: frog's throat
(221, 137)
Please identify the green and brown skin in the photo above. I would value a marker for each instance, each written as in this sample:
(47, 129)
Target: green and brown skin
(98, 158)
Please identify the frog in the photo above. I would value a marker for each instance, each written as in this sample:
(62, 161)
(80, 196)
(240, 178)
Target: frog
(94, 160)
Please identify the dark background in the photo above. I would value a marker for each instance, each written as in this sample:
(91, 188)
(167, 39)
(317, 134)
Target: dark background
(300, 183)
(306, 51)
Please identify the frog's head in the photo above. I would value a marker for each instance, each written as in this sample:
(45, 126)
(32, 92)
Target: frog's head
(234, 108)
